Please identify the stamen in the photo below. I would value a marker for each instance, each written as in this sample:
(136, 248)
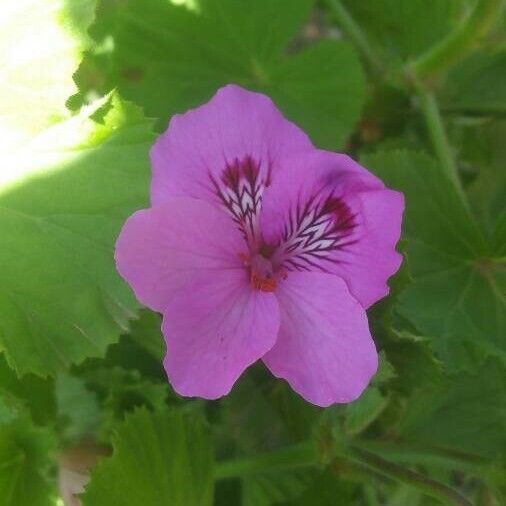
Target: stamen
(261, 272)
(263, 284)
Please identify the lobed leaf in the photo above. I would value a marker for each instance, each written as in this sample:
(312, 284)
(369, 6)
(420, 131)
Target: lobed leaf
(457, 298)
(162, 457)
(169, 58)
(41, 44)
(63, 199)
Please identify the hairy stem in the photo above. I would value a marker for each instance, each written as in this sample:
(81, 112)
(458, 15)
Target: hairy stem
(356, 35)
(426, 485)
(459, 42)
(300, 455)
(438, 137)
(355, 460)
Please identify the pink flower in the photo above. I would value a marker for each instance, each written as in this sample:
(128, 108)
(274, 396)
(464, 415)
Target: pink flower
(257, 245)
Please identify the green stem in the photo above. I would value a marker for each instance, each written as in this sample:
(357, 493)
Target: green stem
(446, 458)
(300, 455)
(459, 42)
(356, 461)
(438, 137)
(356, 35)
(426, 485)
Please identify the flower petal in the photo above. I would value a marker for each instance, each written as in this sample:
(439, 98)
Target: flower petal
(214, 329)
(163, 248)
(341, 219)
(233, 126)
(324, 348)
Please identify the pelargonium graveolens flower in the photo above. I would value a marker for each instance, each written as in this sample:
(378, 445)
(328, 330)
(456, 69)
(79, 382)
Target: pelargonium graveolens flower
(257, 245)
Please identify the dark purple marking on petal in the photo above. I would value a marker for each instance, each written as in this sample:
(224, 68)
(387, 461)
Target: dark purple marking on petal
(314, 230)
(240, 189)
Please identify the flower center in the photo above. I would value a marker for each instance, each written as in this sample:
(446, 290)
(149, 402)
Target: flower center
(261, 271)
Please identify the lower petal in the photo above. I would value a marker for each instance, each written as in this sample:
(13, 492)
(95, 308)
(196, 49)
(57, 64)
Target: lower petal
(215, 328)
(324, 348)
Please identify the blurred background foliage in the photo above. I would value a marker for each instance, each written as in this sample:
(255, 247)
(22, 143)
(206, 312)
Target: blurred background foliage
(414, 89)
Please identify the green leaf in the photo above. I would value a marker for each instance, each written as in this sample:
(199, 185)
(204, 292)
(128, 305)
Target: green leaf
(414, 361)
(31, 392)
(362, 412)
(146, 331)
(405, 28)
(40, 48)
(466, 412)
(386, 370)
(457, 298)
(499, 235)
(63, 200)
(8, 411)
(26, 454)
(168, 58)
(78, 408)
(270, 489)
(477, 85)
(482, 151)
(121, 391)
(327, 490)
(164, 457)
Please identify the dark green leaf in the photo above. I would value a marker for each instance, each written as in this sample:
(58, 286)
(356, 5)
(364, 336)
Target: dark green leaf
(168, 58)
(120, 391)
(466, 412)
(457, 298)
(405, 27)
(270, 489)
(33, 393)
(146, 331)
(327, 490)
(362, 412)
(477, 85)
(78, 408)
(26, 454)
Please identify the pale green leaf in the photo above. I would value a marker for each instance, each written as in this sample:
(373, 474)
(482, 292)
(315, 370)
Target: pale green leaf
(162, 457)
(63, 199)
(41, 44)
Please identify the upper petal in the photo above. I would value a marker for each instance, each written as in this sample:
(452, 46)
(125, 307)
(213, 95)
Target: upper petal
(331, 214)
(214, 329)
(164, 248)
(233, 126)
(324, 348)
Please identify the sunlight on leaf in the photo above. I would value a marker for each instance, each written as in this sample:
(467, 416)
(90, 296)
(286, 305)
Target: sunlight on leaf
(41, 44)
(77, 181)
